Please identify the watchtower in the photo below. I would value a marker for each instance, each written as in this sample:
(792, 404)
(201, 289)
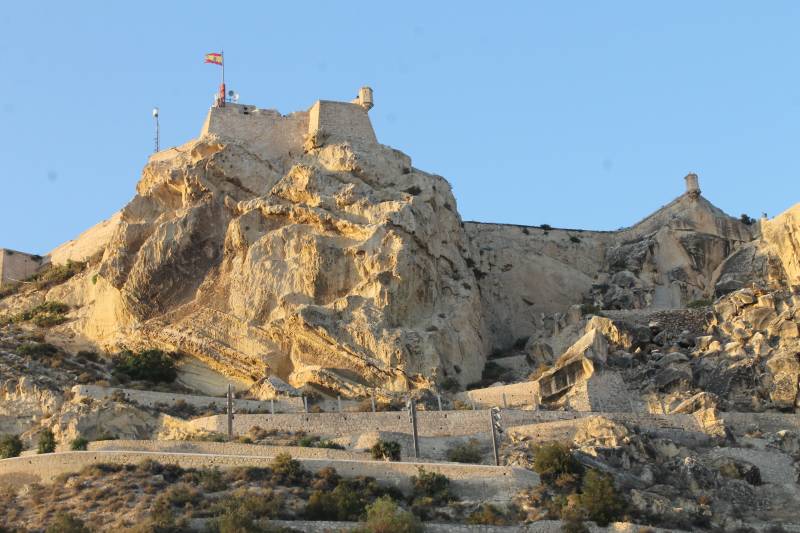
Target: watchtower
(692, 185)
(364, 98)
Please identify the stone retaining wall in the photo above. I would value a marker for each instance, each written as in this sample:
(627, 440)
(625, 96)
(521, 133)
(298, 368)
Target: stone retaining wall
(152, 398)
(467, 481)
(429, 423)
(224, 448)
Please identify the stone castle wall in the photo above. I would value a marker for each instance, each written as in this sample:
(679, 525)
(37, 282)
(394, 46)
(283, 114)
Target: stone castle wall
(273, 136)
(17, 266)
(265, 132)
(341, 121)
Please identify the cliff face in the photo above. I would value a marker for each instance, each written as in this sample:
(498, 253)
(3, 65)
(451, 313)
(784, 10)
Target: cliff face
(348, 270)
(667, 260)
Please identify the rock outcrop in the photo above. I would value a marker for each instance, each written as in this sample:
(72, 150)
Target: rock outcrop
(351, 262)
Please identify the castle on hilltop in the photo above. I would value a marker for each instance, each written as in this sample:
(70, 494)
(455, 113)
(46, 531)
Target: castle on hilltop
(271, 135)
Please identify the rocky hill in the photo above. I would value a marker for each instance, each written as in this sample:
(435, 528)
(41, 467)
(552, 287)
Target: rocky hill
(318, 271)
(327, 258)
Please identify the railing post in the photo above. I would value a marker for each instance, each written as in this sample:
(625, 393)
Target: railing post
(230, 411)
(494, 424)
(272, 406)
(439, 401)
(412, 414)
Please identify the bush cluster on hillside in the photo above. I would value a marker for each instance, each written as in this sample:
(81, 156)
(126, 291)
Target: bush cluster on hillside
(10, 446)
(386, 450)
(572, 493)
(43, 315)
(148, 365)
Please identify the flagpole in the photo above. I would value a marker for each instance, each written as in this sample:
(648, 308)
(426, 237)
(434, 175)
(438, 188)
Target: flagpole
(222, 56)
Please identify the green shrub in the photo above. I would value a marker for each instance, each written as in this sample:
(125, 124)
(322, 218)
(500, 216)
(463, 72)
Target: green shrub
(36, 349)
(546, 227)
(10, 446)
(47, 442)
(347, 500)
(432, 485)
(600, 498)
(288, 469)
(66, 523)
(386, 450)
(316, 442)
(385, 516)
(52, 274)
(487, 515)
(149, 365)
(466, 452)
(696, 304)
(44, 315)
(553, 459)
(79, 444)
(212, 480)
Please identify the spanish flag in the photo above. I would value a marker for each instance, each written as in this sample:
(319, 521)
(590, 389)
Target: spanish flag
(214, 58)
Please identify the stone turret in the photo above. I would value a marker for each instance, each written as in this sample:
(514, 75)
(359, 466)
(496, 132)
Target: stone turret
(364, 98)
(692, 185)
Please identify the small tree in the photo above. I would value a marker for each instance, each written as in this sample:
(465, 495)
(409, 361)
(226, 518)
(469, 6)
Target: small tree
(290, 470)
(431, 485)
(10, 446)
(387, 450)
(79, 444)
(553, 459)
(47, 441)
(600, 498)
(385, 516)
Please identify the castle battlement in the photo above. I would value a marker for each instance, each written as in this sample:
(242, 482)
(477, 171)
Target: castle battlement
(271, 135)
(17, 266)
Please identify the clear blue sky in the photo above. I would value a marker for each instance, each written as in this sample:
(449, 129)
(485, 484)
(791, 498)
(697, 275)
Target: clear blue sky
(576, 114)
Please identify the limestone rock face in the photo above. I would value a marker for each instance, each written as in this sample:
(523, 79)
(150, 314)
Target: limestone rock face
(782, 240)
(351, 262)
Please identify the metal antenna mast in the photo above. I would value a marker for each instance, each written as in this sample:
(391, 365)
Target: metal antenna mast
(158, 133)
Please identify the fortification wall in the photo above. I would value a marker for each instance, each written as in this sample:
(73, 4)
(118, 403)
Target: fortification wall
(467, 481)
(341, 121)
(152, 398)
(265, 132)
(88, 243)
(429, 423)
(17, 266)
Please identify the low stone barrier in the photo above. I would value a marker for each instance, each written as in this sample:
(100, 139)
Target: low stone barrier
(494, 483)
(153, 398)
(541, 526)
(224, 448)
